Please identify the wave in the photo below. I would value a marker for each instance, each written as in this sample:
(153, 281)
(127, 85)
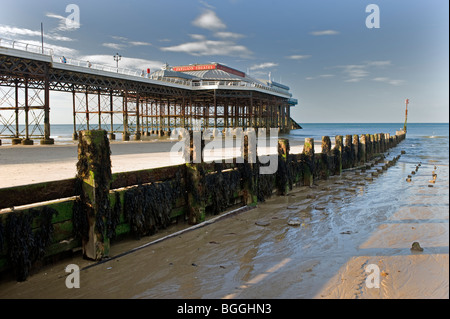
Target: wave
(435, 136)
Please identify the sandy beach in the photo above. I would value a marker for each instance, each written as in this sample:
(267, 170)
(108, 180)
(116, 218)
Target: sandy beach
(341, 233)
(20, 165)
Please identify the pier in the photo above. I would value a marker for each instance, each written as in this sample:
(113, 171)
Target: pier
(130, 102)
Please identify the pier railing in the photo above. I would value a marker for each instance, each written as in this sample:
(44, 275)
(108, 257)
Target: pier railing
(67, 214)
(18, 45)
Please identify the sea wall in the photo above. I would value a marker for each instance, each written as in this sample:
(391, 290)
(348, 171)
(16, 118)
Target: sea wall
(45, 221)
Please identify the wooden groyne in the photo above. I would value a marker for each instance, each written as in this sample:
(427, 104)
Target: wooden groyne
(44, 221)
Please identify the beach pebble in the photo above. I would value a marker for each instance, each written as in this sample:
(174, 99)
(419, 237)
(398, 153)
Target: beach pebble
(262, 223)
(294, 222)
(416, 246)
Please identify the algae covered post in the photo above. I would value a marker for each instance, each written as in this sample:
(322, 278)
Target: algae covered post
(94, 175)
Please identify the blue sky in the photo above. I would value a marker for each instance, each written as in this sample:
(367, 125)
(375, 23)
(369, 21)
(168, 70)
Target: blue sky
(338, 69)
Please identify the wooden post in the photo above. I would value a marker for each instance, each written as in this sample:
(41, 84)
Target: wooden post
(382, 142)
(325, 161)
(249, 154)
(362, 149)
(282, 171)
(356, 151)
(347, 155)
(338, 149)
(94, 174)
(369, 147)
(308, 152)
(195, 174)
(373, 146)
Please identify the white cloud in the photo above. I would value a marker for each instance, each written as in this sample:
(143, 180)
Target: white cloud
(389, 81)
(13, 33)
(119, 38)
(210, 47)
(355, 71)
(298, 57)
(358, 72)
(62, 25)
(353, 80)
(379, 63)
(228, 35)
(125, 62)
(321, 76)
(115, 46)
(202, 46)
(139, 43)
(325, 32)
(125, 42)
(209, 20)
(263, 66)
(57, 50)
(199, 37)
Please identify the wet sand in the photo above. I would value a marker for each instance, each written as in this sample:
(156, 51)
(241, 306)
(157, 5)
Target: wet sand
(350, 223)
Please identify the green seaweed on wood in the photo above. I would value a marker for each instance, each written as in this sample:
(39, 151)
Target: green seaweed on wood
(147, 207)
(25, 246)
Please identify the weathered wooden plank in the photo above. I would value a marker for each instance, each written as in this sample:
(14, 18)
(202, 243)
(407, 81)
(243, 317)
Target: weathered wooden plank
(35, 193)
